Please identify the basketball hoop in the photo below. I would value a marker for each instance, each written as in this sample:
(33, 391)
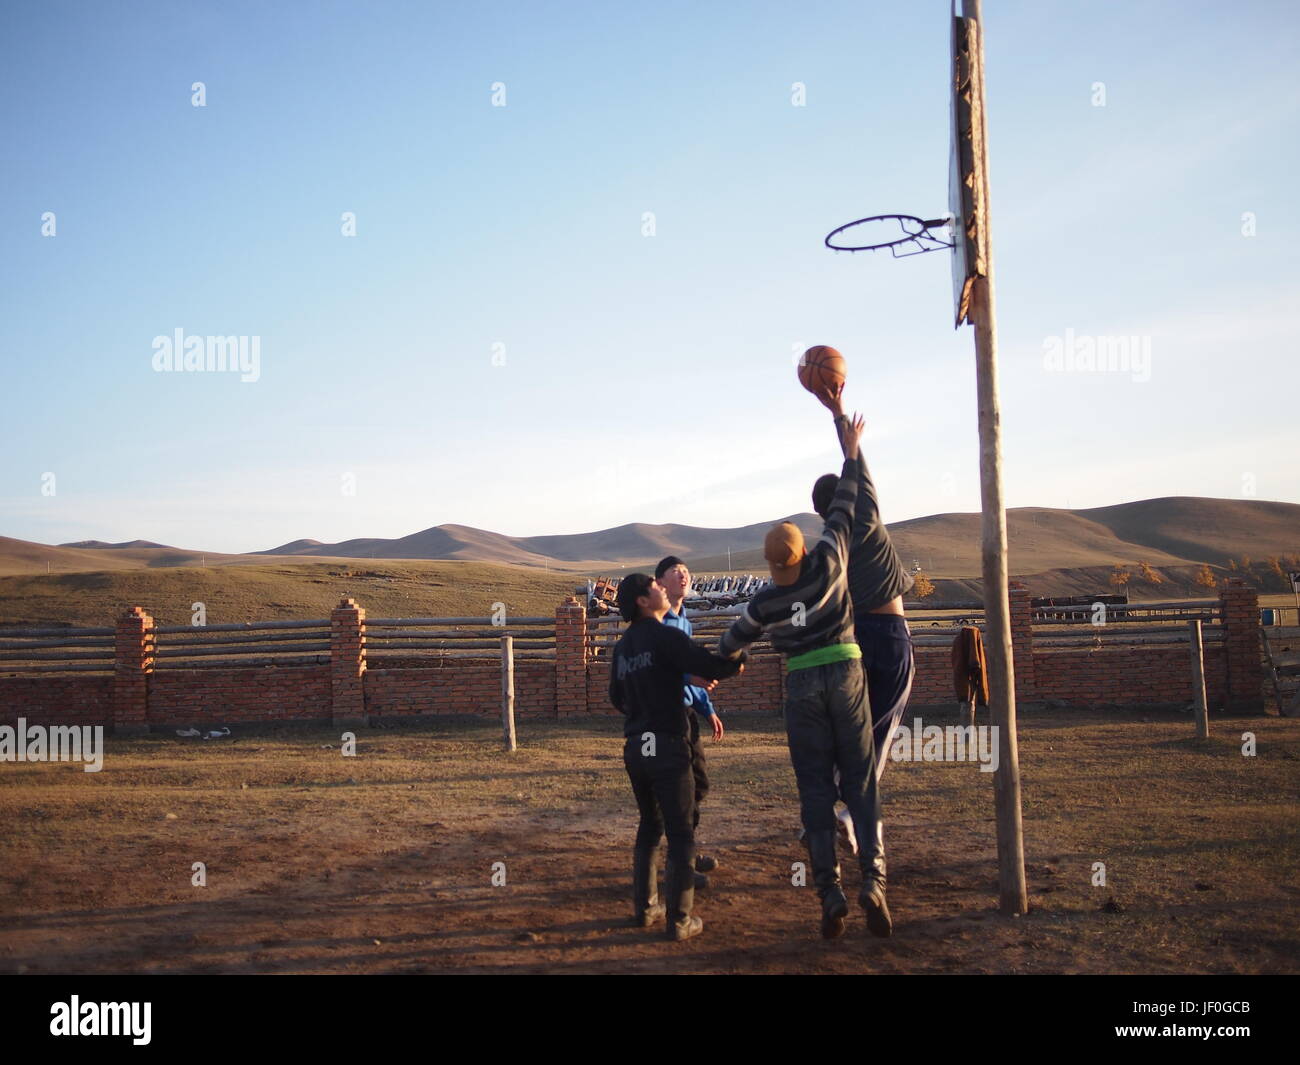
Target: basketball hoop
(915, 231)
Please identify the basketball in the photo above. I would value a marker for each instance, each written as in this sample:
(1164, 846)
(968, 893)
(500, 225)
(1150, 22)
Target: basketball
(821, 368)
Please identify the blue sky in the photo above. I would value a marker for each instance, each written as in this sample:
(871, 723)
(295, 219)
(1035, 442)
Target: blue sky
(636, 378)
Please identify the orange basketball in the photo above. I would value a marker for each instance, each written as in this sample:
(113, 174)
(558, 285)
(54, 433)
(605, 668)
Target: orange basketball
(821, 368)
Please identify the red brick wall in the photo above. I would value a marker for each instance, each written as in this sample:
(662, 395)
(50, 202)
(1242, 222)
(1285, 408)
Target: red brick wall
(57, 700)
(1138, 675)
(932, 685)
(221, 696)
(598, 686)
(472, 687)
(761, 687)
(357, 684)
(1240, 607)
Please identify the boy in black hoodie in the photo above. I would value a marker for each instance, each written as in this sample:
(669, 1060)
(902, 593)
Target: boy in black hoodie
(645, 686)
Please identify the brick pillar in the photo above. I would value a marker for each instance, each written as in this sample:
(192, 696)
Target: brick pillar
(1022, 641)
(133, 662)
(570, 658)
(348, 664)
(1242, 646)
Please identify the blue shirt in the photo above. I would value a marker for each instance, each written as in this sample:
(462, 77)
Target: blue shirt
(696, 697)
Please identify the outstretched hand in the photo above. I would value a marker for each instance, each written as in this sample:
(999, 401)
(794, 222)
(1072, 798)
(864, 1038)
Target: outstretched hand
(852, 435)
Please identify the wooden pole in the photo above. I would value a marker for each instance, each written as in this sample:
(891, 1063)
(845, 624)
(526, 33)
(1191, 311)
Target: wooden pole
(1198, 678)
(508, 691)
(1012, 895)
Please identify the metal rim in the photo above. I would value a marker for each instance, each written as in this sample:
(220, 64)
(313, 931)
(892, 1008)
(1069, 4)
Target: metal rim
(919, 234)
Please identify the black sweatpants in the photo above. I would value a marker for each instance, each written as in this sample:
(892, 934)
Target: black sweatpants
(828, 725)
(664, 786)
(889, 664)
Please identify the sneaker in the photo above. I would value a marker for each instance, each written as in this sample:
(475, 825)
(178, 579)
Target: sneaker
(685, 928)
(650, 916)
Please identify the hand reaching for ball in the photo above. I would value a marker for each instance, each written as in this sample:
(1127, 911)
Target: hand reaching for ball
(832, 398)
(851, 435)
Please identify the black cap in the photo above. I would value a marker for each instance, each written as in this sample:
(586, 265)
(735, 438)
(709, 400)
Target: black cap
(665, 564)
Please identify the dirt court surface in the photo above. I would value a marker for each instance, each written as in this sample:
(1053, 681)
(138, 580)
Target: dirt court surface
(383, 862)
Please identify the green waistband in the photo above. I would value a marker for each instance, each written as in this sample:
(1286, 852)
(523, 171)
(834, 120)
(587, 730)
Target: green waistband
(823, 656)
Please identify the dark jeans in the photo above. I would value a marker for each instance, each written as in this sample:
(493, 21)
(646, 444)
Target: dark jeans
(889, 665)
(828, 725)
(699, 768)
(664, 787)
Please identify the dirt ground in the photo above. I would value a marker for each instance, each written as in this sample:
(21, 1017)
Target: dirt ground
(384, 862)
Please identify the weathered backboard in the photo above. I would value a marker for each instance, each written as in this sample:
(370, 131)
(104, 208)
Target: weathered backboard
(967, 188)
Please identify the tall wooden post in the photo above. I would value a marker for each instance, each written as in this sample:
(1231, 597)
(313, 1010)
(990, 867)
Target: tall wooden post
(508, 692)
(1198, 678)
(1012, 895)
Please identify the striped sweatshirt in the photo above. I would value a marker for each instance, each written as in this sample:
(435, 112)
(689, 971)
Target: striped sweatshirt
(815, 610)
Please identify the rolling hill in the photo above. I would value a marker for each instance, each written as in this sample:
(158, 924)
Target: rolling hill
(1172, 534)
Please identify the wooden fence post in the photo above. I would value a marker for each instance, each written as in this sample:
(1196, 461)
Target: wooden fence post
(508, 691)
(1198, 678)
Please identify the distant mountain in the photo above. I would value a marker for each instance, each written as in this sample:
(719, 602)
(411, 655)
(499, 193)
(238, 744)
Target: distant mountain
(1168, 533)
(625, 543)
(298, 547)
(101, 544)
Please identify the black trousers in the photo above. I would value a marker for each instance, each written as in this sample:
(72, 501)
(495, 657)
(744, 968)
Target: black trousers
(828, 725)
(663, 784)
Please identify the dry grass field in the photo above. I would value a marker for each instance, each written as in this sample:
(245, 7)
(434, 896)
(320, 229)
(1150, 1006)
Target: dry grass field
(383, 862)
(284, 590)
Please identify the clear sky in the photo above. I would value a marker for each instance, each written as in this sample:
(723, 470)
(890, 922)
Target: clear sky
(501, 345)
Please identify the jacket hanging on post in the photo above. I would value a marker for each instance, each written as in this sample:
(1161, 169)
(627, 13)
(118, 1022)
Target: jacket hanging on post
(970, 678)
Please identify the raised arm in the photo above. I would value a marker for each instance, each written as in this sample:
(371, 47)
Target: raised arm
(839, 517)
(744, 631)
(867, 509)
(682, 654)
